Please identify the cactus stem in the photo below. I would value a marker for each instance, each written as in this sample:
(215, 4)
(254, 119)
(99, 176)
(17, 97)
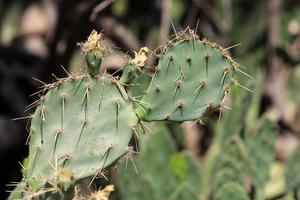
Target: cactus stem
(171, 58)
(198, 90)
(235, 82)
(81, 131)
(206, 56)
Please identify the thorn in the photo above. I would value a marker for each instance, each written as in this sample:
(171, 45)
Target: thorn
(57, 133)
(118, 104)
(230, 47)
(20, 118)
(29, 135)
(179, 106)
(157, 88)
(134, 130)
(178, 84)
(143, 125)
(174, 28)
(235, 82)
(206, 56)
(63, 97)
(226, 92)
(198, 90)
(68, 74)
(79, 85)
(84, 101)
(44, 84)
(181, 75)
(242, 72)
(220, 114)
(128, 155)
(204, 107)
(101, 96)
(196, 29)
(33, 104)
(102, 174)
(224, 75)
(42, 111)
(106, 153)
(81, 131)
(34, 157)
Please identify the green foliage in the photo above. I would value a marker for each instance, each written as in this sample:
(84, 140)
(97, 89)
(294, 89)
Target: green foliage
(231, 191)
(292, 174)
(169, 175)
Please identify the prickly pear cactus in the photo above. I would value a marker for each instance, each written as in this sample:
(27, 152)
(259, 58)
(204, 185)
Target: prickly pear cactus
(261, 151)
(83, 124)
(292, 174)
(159, 172)
(231, 191)
(192, 77)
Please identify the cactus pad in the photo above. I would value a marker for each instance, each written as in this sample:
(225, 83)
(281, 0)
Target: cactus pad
(192, 77)
(82, 125)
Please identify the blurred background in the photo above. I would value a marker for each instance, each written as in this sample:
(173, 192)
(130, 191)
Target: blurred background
(38, 37)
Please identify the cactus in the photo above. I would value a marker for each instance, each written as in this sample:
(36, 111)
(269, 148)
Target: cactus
(192, 77)
(261, 154)
(231, 191)
(84, 123)
(70, 137)
(292, 174)
(159, 169)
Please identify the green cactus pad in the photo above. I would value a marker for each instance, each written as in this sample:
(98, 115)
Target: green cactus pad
(82, 125)
(292, 174)
(192, 77)
(231, 191)
(160, 172)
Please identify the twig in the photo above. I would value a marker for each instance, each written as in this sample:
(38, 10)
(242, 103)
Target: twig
(101, 6)
(165, 20)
